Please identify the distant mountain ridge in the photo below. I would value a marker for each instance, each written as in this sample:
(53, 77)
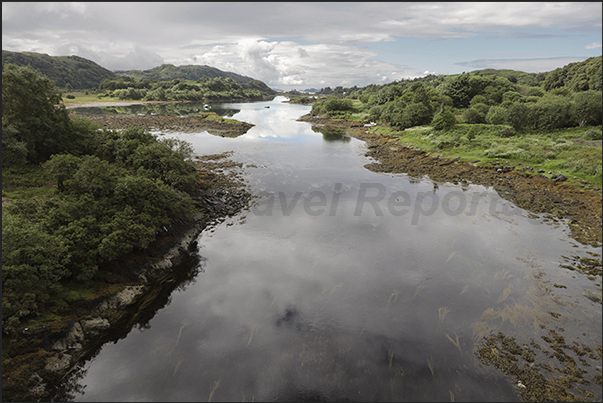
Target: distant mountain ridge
(76, 71)
(168, 72)
(82, 73)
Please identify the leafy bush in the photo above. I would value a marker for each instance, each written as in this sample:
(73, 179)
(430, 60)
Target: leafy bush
(106, 205)
(593, 135)
(586, 108)
(33, 263)
(471, 116)
(14, 152)
(31, 105)
(332, 104)
(496, 115)
(443, 120)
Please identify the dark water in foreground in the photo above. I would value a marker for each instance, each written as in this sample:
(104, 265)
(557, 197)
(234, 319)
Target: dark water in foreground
(345, 284)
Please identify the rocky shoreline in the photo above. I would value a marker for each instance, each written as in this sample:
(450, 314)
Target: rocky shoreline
(539, 194)
(535, 380)
(47, 356)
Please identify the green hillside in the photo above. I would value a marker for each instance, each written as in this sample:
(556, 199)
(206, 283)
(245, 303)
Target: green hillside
(76, 71)
(167, 72)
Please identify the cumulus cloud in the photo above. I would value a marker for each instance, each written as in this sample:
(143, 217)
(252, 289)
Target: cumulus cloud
(287, 64)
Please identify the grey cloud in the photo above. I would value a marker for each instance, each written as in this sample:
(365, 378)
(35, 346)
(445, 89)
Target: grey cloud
(327, 35)
(303, 52)
(136, 59)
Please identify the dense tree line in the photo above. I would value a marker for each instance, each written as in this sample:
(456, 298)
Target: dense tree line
(566, 97)
(129, 88)
(114, 192)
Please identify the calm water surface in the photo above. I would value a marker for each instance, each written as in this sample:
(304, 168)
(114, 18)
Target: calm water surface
(345, 284)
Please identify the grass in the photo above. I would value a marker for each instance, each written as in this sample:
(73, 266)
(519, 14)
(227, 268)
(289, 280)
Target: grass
(86, 97)
(567, 151)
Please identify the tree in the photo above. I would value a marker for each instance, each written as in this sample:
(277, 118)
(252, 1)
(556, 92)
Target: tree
(472, 116)
(333, 103)
(388, 94)
(31, 104)
(33, 263)
(402, 115)
(551, 112)
(61, 167)
(496, 115)
(14, 152)
(463, 88)
(443, 120)
(517, 115)
(586, 108)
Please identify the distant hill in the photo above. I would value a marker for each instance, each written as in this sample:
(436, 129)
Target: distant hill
(579, 76)
(80, 73)
(168, 72)
(515, 76)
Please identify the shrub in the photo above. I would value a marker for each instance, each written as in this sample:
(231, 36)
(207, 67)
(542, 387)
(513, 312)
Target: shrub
(31, 105)
(586, 108)
(443, 120)
(496, 115)
(481, 108)
(593, 135)
(471, 116)
(332, 104)
(14, 152)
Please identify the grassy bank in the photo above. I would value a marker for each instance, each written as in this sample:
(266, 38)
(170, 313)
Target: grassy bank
(573, 152)
(82, 97)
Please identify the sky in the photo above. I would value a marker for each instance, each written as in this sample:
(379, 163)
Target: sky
(301, 45)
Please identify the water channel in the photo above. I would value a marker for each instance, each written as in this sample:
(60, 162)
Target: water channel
(345, 284)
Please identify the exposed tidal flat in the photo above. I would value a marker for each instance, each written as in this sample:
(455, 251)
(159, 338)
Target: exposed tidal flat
(301, 305)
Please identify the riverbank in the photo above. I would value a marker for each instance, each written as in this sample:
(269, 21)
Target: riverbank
(37, 363)
(581, 207)
(567, 379)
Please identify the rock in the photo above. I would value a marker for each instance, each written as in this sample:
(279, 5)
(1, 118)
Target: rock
(95, 326)
(56, 364)
(122, 298)
(560, 178)
(72, 341)
(39, 384)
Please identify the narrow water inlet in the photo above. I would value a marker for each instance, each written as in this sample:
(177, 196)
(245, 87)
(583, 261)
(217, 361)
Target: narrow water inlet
(344, 284)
